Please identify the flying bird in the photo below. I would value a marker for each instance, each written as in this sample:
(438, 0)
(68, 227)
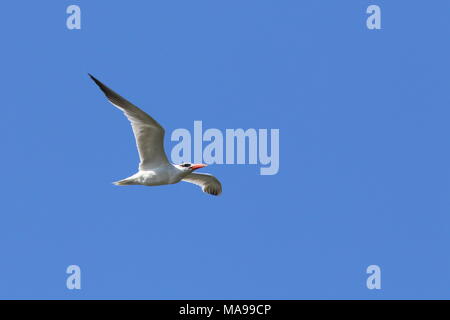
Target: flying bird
(154, 168)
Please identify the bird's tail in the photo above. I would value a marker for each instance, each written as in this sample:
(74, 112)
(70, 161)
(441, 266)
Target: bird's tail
(125, 182)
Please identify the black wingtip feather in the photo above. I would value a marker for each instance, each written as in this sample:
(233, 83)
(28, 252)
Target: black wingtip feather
(95, 79)
(104, 88)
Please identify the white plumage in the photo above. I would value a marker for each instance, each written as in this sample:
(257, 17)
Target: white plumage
(154, 168)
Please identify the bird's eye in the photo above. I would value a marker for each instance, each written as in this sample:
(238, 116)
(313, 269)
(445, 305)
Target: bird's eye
(186, 165)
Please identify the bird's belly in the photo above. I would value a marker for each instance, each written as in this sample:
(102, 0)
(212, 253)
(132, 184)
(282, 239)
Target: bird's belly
(152, 178)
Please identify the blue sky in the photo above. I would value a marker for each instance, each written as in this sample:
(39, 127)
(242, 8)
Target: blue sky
(364, 176)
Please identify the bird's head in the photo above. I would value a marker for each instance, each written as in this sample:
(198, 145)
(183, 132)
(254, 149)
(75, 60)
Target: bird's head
(189, 167)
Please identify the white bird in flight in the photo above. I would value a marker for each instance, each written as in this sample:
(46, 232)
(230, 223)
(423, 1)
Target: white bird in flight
(154, 168)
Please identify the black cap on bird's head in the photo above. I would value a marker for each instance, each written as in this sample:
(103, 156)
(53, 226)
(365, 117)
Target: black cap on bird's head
(192, 166)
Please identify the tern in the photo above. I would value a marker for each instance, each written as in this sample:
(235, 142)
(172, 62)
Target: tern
(154, 168)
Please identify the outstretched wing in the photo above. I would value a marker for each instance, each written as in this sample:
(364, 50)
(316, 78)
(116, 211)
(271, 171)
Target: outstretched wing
(207, 182)
(148, 133)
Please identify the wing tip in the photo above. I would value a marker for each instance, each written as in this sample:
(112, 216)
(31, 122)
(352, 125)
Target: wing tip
(95, 80)
(213, 191)
(102, 87)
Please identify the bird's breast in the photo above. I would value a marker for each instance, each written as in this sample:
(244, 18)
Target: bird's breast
(158, 177)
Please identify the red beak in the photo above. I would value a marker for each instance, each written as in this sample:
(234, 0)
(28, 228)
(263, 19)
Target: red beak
(198, 166)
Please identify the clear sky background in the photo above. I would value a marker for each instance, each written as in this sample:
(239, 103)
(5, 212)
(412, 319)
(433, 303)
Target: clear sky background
(364, 149)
